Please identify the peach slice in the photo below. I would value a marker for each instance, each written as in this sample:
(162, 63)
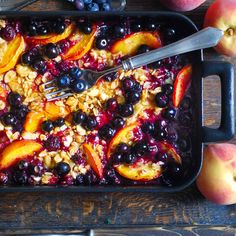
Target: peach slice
(52, 38)
(83, 44)
(93, 159)
(14, 50)
(33, 121)
(171, 151)
(122, 136)
(18, 150)
(52, 111)
(139, 171)
(130, 44)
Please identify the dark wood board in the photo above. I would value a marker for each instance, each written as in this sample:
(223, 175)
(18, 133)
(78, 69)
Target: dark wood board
(69, 212)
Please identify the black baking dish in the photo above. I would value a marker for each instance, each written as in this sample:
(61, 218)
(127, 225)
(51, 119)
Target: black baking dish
(201, 69)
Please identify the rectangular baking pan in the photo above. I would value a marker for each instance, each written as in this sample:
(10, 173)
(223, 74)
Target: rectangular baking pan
(201, 68)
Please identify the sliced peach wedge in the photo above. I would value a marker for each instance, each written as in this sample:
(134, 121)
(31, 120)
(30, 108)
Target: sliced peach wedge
(33, 121)
(18, 150)
(53, 111)
(142, 170)
(93, 159)
(130, 44)
(13, 52)
(83, 43)
(122, 136)
(51, 38)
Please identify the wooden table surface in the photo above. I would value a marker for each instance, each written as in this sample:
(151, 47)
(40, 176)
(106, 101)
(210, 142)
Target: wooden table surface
(60, 212)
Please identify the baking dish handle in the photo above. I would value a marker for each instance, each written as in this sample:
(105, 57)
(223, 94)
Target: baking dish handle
(226, 130)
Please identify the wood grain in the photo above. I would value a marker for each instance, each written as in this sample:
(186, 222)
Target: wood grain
(60, 212)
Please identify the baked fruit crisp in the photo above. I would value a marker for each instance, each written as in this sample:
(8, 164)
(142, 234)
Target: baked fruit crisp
(131, 128)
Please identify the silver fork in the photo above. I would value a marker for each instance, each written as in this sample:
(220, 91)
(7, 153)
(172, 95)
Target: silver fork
(14, 4)
(205, 38)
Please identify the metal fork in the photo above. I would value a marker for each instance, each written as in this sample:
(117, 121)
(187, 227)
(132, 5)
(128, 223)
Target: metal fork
(6, 5)
(205, 38)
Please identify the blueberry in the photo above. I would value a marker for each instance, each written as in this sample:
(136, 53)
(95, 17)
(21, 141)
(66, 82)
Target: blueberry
(117, 122)
(143, 49)
(63, 81)
(132, 97)
(101, 43)
(79, 179)
(93, 7)
(9, 119)
(47, 126)
(79, 85)
(59, 27)
(117, 158)
(43, 30)
(105, 7)
(26, 59)
(51, 50)
(8, 33)
(167, 89)
(40, 66)
(14, 99)
(137, 87)
(106, 132)
(20, 112)
(62, 169)
(88, 1)
(148, 128)
(79, 117)
(32, 30)
(122, 148)
(111, 104)
(90, 123)
(151, 25)
(126, 110)
(75, 73)
(136, 26)
(129, 158)
(53, 143)
(17, 126)
(23, 165)
(161, 100)
(119, 31)
(161, 134)
(169, 113)
(168, 34)
(20, 177)
(141, 148)
(86, 27)
(173, 173)
(161, 124)
(128, 84)
(79, 5)
(59, 122)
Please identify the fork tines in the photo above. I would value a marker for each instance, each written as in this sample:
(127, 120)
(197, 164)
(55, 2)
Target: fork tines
(52, 93)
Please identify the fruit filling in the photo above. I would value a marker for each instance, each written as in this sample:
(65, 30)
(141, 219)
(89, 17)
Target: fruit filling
(130, 128)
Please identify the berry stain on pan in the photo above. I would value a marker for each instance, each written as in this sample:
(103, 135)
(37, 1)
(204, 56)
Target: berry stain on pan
(131, 128)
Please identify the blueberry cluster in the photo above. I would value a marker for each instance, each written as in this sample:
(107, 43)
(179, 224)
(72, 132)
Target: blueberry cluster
(49, 125)
(127, 154)
(87, 122)
(53, 143)
(35, 57)
(25, 172)
(38, 27)
(17, 114)
(92, 5)
(72, 80)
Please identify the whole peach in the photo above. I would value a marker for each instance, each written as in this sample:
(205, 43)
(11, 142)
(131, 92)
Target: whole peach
(217, 180)
(222, 15)
(182, 5)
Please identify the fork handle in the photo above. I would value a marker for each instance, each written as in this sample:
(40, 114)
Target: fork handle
(208, 37)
